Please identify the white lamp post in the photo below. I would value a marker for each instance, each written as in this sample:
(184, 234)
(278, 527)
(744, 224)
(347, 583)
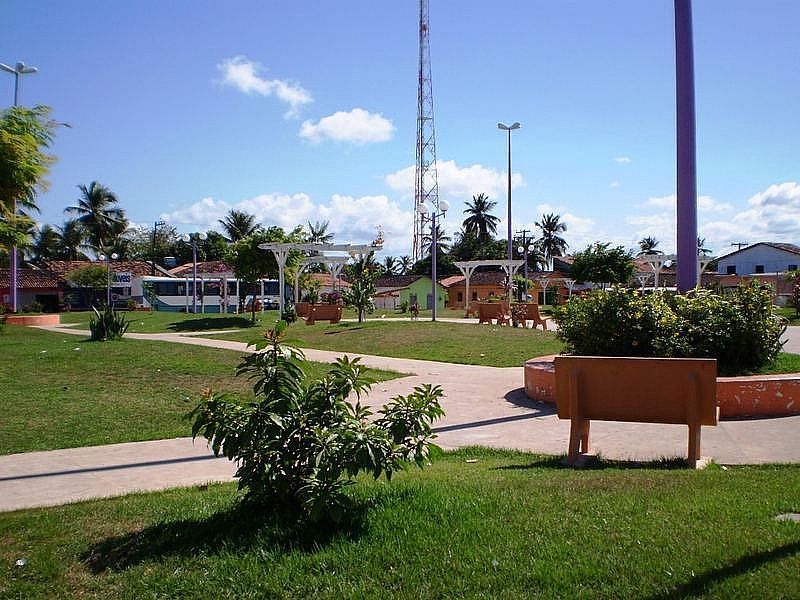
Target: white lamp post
(509, 129)
(19, 69)
(192, 238)
(108, 259)
(423, 210)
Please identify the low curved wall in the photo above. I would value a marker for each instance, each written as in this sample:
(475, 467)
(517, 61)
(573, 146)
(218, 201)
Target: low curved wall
(44, 320)
(750, 396)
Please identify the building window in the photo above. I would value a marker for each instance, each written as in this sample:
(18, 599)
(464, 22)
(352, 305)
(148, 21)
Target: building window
(759, 268)
(460, 297)
(731, 270)
(474, 295)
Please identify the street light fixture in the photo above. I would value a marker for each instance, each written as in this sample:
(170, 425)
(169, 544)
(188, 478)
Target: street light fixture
(509, 129)
(423, 210)
(192, 238)
(19, 69)
(524, 249)
(108, 259)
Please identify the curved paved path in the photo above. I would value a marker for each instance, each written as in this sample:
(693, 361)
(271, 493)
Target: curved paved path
(484, 406)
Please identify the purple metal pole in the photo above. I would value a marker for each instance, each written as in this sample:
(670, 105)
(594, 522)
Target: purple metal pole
(686, 153)
(510, 243)
(14, 259)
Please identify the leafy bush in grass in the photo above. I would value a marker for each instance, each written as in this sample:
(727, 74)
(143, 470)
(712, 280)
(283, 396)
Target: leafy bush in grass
(740, 329)
(301, 442)
(107, 325)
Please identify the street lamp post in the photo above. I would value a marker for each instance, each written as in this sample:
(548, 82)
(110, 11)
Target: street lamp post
(192, 238)
(423, 210)
(19, 69)
(108, 259)
(509, 129)
(524, 249)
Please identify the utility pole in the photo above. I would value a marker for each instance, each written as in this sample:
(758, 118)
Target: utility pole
(156, 225)
(740, 245)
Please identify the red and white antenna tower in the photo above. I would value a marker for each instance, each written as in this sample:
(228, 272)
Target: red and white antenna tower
(426, 185)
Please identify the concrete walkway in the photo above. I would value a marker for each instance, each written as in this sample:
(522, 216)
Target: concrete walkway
(484, 406)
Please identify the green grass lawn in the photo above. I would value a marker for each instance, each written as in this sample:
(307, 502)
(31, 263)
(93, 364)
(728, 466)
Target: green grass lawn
(63, 391)
(488, 345)
(504, 525)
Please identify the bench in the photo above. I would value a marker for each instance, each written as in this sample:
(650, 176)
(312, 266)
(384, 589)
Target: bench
(641, 390)
(532, 314)
(492, 310)
(324, 312)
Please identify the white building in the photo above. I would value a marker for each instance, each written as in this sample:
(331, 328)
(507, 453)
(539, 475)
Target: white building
(763, 257)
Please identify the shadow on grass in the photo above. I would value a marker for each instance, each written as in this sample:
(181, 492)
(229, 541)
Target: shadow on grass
(207, 324)
(597, 463)
(699, 586)
(239, 528)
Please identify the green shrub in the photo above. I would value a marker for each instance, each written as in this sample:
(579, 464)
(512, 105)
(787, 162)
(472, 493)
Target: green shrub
(404, 306)
(301, 442)
(612, 322)
(33, 307)
(107, 325)
(740, 329)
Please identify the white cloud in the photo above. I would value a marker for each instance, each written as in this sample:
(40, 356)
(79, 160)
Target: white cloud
(357, 126)
(624, 160)
(614, 184)
(457, 184)
(242, 74)
(705, 204)
(771, 216)
(352, 220)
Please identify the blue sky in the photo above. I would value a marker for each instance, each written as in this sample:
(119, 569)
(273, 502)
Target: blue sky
(304, 111)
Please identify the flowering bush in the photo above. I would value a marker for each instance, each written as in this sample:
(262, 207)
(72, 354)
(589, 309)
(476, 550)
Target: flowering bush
(330, 298)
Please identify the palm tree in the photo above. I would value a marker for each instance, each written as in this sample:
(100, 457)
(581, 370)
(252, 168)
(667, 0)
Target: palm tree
(701, 247)
(71, 241)
(405, 265)
(318, 233)
(238, 224)
(390, 265)
(99, 216)
(480, 221)
(45, 244)
(551, 243)
(442, 240)
(648, 246)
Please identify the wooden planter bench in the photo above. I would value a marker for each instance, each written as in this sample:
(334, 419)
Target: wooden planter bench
(324, 312)
(532, 314)
(642, 390)
(302, 309)
(492, 310)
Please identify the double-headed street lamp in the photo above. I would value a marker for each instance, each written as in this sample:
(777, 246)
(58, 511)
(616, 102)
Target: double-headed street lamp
(524, 249)
(509, 129)
(19, 69)
(108, 259)
(192, 238)
(424, 211)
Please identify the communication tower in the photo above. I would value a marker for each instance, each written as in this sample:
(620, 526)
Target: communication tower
(426, 185)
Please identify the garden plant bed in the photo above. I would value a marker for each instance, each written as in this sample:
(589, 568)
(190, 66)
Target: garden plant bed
(746, 396)
(34, 320)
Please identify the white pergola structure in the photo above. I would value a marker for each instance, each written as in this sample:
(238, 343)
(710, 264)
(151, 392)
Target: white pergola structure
(657, 262)
(282, 250)
(468, 267)
(333, 264)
